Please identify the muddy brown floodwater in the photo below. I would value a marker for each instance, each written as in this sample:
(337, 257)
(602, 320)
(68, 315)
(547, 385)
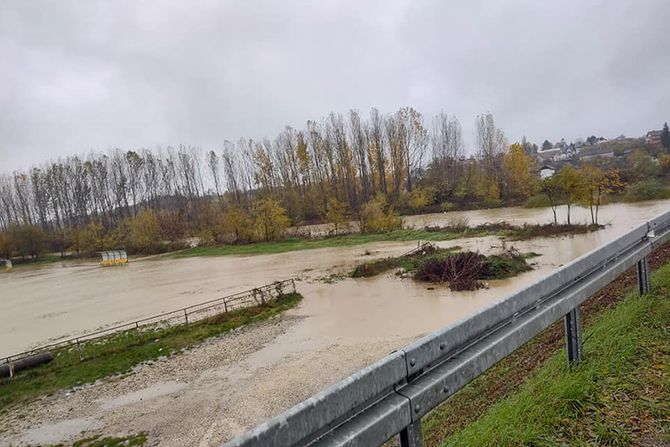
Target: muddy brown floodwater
(217, 390)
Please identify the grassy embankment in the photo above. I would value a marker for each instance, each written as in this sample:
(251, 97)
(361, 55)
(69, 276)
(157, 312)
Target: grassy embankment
(619, 395)
(119, 353)
(429, 234)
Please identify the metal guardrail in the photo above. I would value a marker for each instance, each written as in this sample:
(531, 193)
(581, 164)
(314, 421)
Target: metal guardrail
(185, 315)
(391, 396)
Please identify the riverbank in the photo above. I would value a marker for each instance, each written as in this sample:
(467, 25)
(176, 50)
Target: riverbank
(426, 234)
(119, 353)
(617, 396)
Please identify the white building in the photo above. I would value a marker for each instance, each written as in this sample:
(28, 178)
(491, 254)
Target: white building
(546, 171)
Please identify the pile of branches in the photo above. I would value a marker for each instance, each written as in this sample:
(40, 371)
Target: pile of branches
(465, 270)
(424, 249)
(462, 271)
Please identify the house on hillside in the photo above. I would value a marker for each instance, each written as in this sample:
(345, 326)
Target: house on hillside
(547, 171)
(588, 153)
(653, 137)
(549, 154)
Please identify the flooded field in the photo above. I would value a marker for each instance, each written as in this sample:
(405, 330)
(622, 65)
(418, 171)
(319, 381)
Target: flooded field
(339, 327)
(40, 305)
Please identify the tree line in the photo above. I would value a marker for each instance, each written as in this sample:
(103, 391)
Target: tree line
(342, 166)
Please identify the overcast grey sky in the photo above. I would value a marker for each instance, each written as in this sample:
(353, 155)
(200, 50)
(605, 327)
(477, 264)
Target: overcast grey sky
(87, 74)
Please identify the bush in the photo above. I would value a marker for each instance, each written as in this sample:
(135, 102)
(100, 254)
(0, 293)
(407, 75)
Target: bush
(145, 233)
(270, 219)
(646, 190)
(537, 201)
(376, 216)
(458, 224)
(420, 198)
(447, 206)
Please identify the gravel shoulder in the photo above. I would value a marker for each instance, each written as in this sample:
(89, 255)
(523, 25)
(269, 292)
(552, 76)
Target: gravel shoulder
(200, 397)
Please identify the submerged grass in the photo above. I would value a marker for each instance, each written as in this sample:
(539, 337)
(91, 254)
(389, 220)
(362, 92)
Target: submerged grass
(619, 395)
(120, 352)
(428, 234)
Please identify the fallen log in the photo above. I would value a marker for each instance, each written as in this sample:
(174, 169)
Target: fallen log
(25, 363)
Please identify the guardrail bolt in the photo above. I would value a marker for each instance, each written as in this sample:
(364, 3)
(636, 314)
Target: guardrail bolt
(445, 389)
(441, 346)
(412, 362)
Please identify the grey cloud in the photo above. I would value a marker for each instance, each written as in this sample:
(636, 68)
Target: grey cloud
(82, 75)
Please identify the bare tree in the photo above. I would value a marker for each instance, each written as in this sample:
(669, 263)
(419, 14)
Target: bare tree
(491, 142)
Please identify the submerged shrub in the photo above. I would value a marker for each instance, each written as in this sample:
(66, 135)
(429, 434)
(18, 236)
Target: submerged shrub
(537, 201)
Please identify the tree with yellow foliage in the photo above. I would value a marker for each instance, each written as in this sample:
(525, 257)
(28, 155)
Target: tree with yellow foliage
(516, 167)
(571, 185)
(236, 221)
(596, 184)
(336, 214)
(664, 162)
(145, 232)
(270, 219)
(377, 216)
(91, 238)
(420, 197)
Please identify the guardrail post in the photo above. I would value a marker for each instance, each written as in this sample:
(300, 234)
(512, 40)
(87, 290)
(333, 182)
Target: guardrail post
(643, 275)
(411, 435)
(573, 335)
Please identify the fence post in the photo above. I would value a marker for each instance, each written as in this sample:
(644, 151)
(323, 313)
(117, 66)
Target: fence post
(411, 435)
(81, 352)
(186, 317)
(573, 335)
(643, 275)
(137, 331)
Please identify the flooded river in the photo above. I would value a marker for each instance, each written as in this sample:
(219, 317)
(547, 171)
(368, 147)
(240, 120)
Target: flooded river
(45, 304)
(223, 388)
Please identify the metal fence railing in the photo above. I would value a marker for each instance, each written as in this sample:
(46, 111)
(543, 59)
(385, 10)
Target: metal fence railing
(185, 315)
(391, 396)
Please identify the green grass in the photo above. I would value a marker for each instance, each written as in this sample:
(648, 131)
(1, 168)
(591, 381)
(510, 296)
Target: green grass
(119, 353)
(429, 234)
(97, 441)
(294, 244)
(618, 395)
